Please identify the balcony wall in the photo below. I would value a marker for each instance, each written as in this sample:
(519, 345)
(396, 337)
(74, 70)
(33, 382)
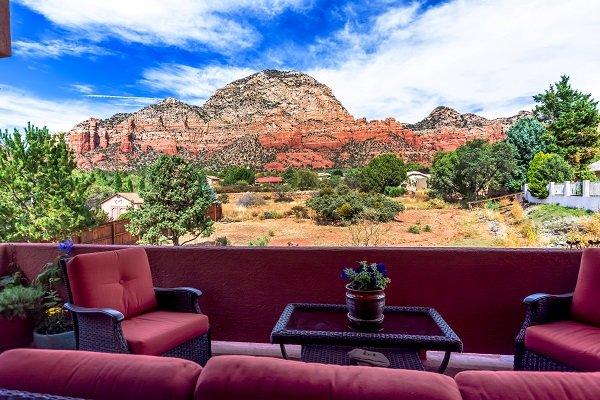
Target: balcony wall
(478, 291)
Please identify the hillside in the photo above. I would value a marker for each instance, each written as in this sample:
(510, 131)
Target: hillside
(271, 120)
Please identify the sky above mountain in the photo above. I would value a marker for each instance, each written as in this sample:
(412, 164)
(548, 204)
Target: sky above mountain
(74, 59)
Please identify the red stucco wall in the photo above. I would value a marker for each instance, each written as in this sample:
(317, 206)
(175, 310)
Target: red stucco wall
(478, 291)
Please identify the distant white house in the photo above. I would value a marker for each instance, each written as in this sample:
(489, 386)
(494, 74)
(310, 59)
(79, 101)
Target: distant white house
(595, 168)
(416, 180)
(118, 203)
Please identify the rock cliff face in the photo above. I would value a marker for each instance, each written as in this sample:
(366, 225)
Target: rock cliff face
(270, 120)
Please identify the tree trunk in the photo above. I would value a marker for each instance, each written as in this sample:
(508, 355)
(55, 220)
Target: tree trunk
(175, 240)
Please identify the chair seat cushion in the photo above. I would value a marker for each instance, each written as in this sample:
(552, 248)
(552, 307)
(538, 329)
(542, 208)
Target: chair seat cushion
(157, 332)
(510, 385)
(92, 375)
(263, 378)
(568, 342)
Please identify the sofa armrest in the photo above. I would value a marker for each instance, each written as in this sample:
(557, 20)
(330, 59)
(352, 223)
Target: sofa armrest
(182, 299)
(98, 329)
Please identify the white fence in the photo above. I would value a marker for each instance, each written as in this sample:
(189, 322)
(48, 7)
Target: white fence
(584, 195)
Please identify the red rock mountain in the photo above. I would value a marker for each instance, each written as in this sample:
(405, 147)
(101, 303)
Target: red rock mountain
(271, 120)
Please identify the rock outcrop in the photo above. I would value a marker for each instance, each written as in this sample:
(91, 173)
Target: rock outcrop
(270, 120)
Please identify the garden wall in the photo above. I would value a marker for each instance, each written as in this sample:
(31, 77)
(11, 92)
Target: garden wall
(478, 291)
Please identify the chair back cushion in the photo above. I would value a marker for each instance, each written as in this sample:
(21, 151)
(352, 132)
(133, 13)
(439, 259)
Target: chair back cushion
(263, 378)
(118, 279)
(91, 375)
(586, 299)
(510, 385)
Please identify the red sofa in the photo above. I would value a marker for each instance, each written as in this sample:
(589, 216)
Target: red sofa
(121, 376)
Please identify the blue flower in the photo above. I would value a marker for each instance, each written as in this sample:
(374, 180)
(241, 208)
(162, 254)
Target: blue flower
(382, 269)
(66, 247)
(343, 274)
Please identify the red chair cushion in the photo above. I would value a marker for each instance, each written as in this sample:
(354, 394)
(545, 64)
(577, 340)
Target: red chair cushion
(509, 385)
(261, 378)
(91, 375)
(586, 299)
(569, 342)
(118, 279)
(157, 332)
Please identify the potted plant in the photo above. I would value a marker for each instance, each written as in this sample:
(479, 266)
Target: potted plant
(18, 306)
(365, 296)
(54, 327)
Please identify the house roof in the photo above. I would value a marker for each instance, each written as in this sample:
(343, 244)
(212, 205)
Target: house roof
(131, 196)
(269, 179)
(418, 173)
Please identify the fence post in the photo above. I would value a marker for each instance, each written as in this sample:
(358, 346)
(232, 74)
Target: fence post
(585, 189)
(567, 191)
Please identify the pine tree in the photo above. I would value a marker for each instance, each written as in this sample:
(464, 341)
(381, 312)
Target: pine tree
(118, 182)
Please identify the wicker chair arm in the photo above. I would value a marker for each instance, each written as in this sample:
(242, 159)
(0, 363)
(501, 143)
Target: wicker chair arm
(545, 308)
(108, 312)
(182, 299)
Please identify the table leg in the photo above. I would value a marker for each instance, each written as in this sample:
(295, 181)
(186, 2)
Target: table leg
(444, 363)
(283, 352)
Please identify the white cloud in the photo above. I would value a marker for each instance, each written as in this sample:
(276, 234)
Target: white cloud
(191, 84)
(17, 107)
(57, 48)
(182, 23)
(473, 55)
(83, 88)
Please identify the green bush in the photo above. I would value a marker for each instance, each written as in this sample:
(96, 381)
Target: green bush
(238, 175)
(305, 179)
(427, 228)
(300, 212)
(436, 203)
(416, 229)
(394, 191)
(344, 205)
(20, 301)
(546, 168)
(222, 241)
(269, 214)
(260, 242)
(383, 170)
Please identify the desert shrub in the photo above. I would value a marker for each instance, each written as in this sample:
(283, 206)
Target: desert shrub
(271, 233)
(394, 191)
(415, 229)
(436, 203)
(517, 212)
(238, 175)
(250, 199)
(349, 206)
(427, 228)
(260, 242)
(300, 212)
(223, 198)
(529, 231)
(272, 214)
(546, 168)
(367, 233)
(305, 179)
(222, 241)
(282, 194)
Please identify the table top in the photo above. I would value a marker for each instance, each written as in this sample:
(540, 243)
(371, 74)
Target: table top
(409, 327)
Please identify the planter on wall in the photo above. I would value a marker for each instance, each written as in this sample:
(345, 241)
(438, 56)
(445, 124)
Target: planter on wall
(57, 341)
(16, 332)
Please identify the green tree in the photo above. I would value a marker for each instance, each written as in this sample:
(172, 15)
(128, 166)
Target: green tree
(528, 137)
(129, 184)
(176, 200)
(42, 197)
(572, 119)
(546, 168)
(118, 182)
(142, 184)
(473, 170)
(233, 175)
(383, 170)
(305, 179)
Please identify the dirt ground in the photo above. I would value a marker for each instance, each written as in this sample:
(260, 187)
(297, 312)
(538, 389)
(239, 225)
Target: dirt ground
(449, 226)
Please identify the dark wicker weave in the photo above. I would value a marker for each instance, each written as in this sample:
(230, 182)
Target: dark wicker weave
(17, 394)
(407, 344)
(541, 309)
(99, 329)
(324, 354)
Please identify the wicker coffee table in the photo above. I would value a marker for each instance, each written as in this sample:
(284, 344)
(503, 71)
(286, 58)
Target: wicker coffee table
(323, 332)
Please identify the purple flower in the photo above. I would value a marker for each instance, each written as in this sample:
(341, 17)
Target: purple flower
(382, 269)
(66, 247)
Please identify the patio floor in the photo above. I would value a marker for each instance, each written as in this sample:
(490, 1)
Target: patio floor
(458, 362)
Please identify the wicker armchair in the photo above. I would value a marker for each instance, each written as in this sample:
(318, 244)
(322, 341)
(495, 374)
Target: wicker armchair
(116, 310)
(562, 332)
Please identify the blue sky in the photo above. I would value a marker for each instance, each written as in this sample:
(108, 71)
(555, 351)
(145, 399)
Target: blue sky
(73, 59)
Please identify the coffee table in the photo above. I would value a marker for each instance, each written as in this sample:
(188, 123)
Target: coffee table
(325, 336)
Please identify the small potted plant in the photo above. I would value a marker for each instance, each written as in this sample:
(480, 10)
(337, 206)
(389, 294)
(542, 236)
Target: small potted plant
(18, 307)
(365, 296)
(54, 327)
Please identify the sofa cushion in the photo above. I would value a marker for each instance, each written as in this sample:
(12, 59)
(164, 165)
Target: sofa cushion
(569, 342)
(119, 279)
(510, 385)
(261, 378)
(91, 375)
(586, 298)
(157, 332)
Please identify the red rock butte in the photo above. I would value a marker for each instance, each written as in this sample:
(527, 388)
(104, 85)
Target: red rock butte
(271, 120)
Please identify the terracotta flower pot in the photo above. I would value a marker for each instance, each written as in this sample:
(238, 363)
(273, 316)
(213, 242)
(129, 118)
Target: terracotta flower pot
(365, 308)
(16, 332)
